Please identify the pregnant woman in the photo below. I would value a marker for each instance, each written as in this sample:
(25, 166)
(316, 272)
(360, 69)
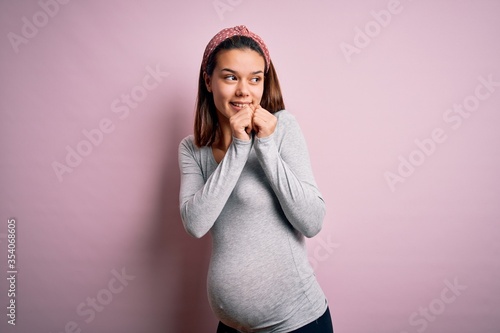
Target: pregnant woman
(246, 178)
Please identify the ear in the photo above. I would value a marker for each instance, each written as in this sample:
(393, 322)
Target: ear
(208, 81)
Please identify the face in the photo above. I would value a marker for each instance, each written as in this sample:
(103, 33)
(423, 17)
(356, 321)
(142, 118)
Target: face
(237, 79)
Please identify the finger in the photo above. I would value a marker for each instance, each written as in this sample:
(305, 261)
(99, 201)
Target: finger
(260, 112)
(265, 122)
(242, 121)
(253, 106)
(261, 117)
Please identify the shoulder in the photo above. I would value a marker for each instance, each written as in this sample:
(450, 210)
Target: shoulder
(188, 149)
(286, 122)
(188, 141)
(187, 146)
(284, 116)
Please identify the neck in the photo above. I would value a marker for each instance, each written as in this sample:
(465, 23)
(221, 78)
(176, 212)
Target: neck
(224, 136)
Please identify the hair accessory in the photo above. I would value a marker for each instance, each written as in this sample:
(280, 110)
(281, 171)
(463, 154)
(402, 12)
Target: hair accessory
(224, 34)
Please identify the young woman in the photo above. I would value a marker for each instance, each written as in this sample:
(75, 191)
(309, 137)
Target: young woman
(246, 178)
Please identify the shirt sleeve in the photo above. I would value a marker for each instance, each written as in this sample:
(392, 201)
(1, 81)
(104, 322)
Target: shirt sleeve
(285, 160)
(202, 202)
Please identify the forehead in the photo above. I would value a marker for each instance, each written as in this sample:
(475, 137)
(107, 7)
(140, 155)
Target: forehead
(240, 60)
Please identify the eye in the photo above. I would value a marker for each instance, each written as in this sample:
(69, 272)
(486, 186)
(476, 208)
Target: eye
(230, 77)
(256, 79)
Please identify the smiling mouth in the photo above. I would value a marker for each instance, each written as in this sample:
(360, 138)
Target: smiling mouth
(239, 105)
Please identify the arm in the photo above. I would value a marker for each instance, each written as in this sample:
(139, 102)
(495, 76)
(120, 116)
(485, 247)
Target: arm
(200, 202)
(287, 166)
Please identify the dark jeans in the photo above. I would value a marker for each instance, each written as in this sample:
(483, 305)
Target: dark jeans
(321, 325)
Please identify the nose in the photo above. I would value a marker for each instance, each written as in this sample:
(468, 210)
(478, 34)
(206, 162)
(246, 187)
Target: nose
(242, 89)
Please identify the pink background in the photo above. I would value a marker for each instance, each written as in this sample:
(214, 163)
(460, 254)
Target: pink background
(387, 253)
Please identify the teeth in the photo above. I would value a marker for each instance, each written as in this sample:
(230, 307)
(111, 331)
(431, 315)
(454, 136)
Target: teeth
(239, 105)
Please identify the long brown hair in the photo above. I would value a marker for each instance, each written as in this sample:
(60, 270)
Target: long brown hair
(206, 124)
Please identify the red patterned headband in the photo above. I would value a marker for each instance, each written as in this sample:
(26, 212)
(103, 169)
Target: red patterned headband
(224, 34)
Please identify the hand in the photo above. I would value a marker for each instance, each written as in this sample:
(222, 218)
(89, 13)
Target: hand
(242, 124)
(264, 122)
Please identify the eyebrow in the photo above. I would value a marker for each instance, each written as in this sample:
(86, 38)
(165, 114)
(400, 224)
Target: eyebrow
(235, 72)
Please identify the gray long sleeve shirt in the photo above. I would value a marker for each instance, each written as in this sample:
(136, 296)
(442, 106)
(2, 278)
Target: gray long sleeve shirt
(258, 204)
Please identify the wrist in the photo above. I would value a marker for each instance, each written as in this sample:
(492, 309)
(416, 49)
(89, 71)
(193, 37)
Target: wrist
(264, 135)
(242, 138)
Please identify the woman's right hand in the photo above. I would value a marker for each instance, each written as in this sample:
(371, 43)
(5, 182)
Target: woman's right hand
(242, 124)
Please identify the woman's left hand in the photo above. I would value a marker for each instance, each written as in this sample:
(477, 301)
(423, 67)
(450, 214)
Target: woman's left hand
(264, 122)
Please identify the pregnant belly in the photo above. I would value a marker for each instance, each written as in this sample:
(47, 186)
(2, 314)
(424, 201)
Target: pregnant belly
(253, 294)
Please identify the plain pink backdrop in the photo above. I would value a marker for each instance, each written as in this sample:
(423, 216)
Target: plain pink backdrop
(369, 82)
